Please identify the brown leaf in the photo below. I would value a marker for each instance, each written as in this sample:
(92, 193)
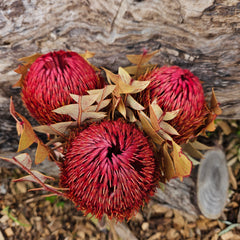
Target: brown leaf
(133, 70)
(170, 115)
(86, 100)
(32, 178)
(142, 58)
(92, 115)
(87, 54)
(214, 104)
(30, 59)
(121, 108)
(41, 153)
(130, 115)
(149, 130)
(28, 136)
(56, 128)
(72, 110)
(102, 93)
(126, 78)
(20, 160)
(169, 169)
(154, 119)
(19, 124)
(131, 102)
(168, 128)
(183, 166)
(156, 109)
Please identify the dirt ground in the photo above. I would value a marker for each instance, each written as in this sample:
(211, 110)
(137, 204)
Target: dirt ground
(32, 216)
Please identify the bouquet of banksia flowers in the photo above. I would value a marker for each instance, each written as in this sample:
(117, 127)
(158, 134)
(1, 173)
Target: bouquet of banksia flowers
(116, 136)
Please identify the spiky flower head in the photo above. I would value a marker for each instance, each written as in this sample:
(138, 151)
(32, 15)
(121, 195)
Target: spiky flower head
(50, 80)
(109, 169)
(176, 88)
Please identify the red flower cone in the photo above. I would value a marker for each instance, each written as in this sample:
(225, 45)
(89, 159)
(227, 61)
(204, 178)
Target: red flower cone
(50, 80)
(176, 88)
(109, 169)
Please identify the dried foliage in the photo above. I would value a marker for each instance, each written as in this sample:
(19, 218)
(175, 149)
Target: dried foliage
(117, 99)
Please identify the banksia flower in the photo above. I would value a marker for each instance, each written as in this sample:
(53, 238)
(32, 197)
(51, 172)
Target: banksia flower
(175, 88)
(50, 80)
(109, 169)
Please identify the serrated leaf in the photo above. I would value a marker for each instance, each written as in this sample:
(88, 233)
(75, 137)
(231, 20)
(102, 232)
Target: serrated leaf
(214, 104)
(142, 58)
(23, 70)
(131, 102)
(183, 166)
(210, 127)
(41, 153)
(32, 178)
(124, 75)
(28, 136)
(121, 108)
(149, 130)
(170, 115)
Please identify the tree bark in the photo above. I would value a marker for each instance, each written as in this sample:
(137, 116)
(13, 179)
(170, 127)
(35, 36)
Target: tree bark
(202, 36)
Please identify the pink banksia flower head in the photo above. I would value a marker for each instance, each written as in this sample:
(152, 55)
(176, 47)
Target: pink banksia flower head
(109, 169)
(176, 88)
(50, 80)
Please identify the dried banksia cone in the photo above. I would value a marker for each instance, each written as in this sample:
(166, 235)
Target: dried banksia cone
(176, 88)
(50, 80)
(109, 169)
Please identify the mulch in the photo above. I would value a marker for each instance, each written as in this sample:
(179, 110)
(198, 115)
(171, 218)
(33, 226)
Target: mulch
(32, 216)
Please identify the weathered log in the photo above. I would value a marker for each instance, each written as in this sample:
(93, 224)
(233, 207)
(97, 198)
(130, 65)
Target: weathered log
(202, 36)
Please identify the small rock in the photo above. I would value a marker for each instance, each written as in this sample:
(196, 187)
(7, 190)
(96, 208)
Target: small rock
(145, 226)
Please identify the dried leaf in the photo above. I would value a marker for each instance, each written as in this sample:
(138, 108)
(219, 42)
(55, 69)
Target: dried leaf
(35, 177)
(149, 130)
(19, 125)
(102, 93)
(142, 58)
(131, 102)
(183, 166)
(22, 160)
(111, 77)
(72, 110)
(28, 136)
(154, 119)
(92, 115)
(30, 59)
(87, 54)
(156, 109)
(124, 75)
(121, 108)
(86, 100)
(56, 128)
(130, 115)
(132, 70)
(170, 115)
(139, 86)
(168, 128)
(169, 170)
(41, 153)
(214, 104)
